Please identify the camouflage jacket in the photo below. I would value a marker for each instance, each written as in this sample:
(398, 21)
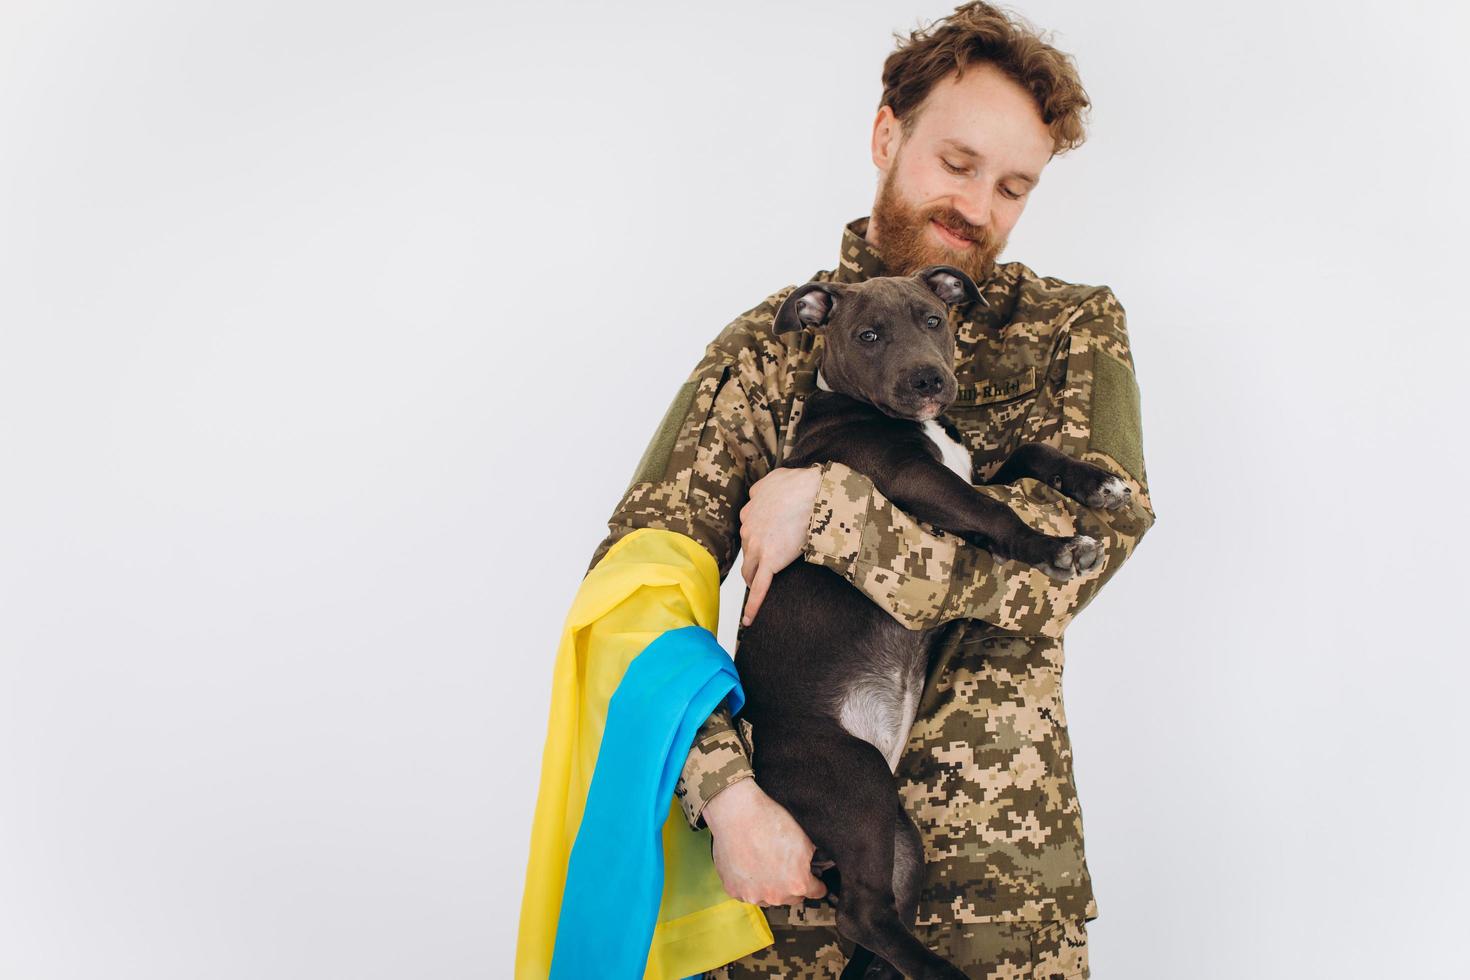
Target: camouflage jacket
(987, 772)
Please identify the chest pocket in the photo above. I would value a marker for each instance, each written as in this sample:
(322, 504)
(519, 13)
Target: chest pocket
(988, 413)
(984, 392)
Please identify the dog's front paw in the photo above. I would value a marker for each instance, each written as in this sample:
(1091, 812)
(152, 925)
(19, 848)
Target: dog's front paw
(1112, 494)
(1072, 556)
(1094, 486)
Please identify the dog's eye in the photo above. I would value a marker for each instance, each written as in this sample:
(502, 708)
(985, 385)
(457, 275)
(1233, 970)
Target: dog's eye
(868, 335)
(933, 320)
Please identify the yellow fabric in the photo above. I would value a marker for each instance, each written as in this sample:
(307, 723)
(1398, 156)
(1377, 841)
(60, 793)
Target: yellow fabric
(649, 582)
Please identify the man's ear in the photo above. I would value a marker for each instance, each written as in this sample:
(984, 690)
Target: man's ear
(950, 284)
(809, 305)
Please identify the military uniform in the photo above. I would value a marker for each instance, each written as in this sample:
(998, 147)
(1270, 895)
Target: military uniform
(987, 771)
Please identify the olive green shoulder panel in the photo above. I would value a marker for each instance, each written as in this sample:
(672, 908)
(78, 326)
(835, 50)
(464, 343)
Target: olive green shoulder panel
(1117, 425)
(655, 459)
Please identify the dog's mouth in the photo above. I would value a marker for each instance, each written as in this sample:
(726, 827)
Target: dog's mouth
(921, 410)
(928, 409)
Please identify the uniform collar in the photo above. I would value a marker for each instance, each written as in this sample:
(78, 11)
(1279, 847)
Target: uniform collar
(858, 260)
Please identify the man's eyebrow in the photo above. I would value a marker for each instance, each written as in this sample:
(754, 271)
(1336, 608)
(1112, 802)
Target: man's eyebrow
(960, 147)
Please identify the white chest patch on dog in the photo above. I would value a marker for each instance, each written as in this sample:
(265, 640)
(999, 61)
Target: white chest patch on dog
(956, 456)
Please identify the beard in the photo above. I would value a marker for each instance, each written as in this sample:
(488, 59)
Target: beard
(907, 244)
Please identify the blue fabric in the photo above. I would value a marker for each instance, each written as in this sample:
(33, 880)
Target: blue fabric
(616, 870)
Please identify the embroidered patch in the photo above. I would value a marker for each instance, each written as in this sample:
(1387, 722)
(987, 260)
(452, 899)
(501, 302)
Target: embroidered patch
(997, 389)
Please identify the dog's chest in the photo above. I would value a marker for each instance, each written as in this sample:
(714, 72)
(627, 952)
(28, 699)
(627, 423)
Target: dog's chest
(954, 454)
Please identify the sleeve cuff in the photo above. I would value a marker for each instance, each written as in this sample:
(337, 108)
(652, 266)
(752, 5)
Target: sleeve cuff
(839, 513)
(716, 762)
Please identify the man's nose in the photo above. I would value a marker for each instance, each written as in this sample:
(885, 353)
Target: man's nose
(974, 206)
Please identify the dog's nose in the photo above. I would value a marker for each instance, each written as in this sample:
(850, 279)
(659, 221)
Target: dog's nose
(928, 381)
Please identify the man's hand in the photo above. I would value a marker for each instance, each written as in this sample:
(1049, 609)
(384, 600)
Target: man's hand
(773, 528)
(762, 854)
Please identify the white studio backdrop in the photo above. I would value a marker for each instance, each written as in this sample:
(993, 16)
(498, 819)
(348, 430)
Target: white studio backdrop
(332, 333)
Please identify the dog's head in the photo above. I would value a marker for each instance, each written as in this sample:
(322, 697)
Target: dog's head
(887, 340)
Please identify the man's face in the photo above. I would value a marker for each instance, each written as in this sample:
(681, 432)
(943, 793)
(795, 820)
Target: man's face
(952, 190)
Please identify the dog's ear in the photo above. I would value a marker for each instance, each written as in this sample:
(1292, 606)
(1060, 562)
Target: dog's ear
(950, 284)
(809, 305)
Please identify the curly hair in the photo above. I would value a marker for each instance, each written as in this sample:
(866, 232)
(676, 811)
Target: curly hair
(979, 33)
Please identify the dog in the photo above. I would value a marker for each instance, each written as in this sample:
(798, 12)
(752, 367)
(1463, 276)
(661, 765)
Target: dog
(832, 681)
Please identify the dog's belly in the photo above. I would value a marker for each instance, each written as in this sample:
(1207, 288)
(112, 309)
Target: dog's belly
(879, 703)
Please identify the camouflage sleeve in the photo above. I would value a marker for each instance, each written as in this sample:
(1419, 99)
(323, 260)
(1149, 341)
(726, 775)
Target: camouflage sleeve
(695, 474)
(717, 759)
(716, 438)
(925, 576)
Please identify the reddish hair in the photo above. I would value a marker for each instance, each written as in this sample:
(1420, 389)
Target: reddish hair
(979, 33)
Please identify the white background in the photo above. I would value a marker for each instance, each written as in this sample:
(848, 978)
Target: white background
(332, 333)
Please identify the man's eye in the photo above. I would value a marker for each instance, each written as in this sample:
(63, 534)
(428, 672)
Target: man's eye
(933, 321)
(868, 336)
(1013, 195)
(951, 167)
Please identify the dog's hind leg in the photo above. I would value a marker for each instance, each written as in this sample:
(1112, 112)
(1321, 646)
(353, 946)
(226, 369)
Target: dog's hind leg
(908, 866)
(908, 882)
(850, 810)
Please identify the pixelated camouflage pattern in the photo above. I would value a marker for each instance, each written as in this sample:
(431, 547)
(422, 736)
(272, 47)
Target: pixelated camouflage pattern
(1012, 950)
(721, 760)
(987, 771)
(924, 576)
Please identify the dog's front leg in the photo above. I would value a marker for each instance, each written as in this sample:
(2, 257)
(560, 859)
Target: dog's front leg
(1084, 482)
(930, 491)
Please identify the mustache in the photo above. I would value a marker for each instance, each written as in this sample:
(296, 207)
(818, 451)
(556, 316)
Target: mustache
(958, 225)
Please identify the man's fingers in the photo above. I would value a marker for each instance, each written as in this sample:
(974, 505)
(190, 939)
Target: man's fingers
(748, 565)
(813, 889)
(757, 595)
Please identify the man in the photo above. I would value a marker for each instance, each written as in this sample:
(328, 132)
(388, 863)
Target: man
(972, 111)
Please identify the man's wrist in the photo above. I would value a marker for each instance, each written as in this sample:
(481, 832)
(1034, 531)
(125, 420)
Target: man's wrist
(729, 802)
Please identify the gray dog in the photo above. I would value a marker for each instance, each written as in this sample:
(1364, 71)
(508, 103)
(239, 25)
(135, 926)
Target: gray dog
(832, 681)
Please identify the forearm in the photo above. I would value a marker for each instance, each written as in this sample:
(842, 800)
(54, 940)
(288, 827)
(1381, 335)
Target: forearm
(924, 576)
(717, 760)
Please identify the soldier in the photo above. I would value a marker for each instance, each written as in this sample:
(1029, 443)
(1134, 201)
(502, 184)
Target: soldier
(972, 110)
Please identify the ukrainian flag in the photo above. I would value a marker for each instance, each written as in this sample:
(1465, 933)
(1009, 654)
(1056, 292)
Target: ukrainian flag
(617, 885)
